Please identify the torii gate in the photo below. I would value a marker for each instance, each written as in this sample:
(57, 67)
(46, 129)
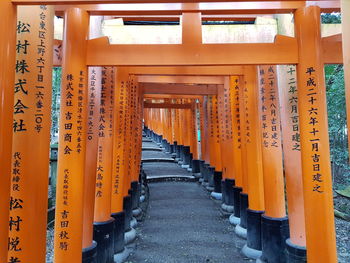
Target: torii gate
(309, 66)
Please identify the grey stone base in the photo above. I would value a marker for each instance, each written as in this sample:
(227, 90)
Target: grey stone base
(210, 188)
(185, 166)
(133, 222)
(251, 252)
(136, 212)
(227, 208)
(241, 232)
(142, 198)
(204, 184)
(201, 180)
(215, 195)
(180, 162)
(234, 220)
(197, 175)
(129, 236)
(122, 256)
(189, 170)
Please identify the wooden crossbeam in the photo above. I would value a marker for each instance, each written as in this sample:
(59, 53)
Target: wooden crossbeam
(181, 79)
(283, 51)
(167, 105)
(173, 96)
(178, 89)
(176, 7)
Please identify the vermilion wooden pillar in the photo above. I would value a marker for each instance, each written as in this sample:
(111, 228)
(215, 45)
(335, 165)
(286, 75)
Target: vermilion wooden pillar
(274, 221)
(317, 181)
(31, 135)
(7, 61)
(71, 158)
(254, 164)
(288, 91)
(103, 223)
(94, 95)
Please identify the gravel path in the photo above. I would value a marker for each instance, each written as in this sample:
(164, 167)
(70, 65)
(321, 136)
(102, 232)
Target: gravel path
(184, 226)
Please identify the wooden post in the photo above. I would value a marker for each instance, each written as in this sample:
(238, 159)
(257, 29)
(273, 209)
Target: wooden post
(31, 135)
(345, 20)
(7, 61)
(94, 96)
(274, 221)
(288, 91)
(103, 223)
(254, 165)
(238, 138)
(71, 159)
(317, 181)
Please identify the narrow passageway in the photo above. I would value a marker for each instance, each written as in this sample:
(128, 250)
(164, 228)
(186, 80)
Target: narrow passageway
(182, 223)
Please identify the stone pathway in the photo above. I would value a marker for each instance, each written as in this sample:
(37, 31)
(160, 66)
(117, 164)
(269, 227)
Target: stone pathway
(183, 225)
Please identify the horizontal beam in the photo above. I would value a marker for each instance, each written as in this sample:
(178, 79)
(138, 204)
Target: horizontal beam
(167, 96)
(283, 51)
(332, 49)
(178, 89)
(181, 79)
(167, 105)
(173, 7)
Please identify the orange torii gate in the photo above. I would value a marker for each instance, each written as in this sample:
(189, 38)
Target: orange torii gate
(317, 195)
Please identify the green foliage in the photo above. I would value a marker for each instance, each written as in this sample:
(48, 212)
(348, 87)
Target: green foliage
(337, 125)
(333, 18)
(55, 111)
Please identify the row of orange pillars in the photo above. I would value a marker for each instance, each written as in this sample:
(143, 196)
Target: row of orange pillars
(242, 161)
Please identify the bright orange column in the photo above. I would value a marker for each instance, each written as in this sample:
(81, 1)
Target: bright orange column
(119, 163)
(94, 97)
(202, 131)
(225, 125)
(274, 219)
(214, 139)
(71, 159)
(103, 189)
(317, 181)
(288, 91)
(271, 143)
(236, 130)
(31, 135)
(7, 61)
(193, 130)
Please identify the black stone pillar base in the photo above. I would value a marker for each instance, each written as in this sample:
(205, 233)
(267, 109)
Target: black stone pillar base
(211, 171)
(241, 228)
(119, 230)
(217, 193)
(275, 232)
(104, 236)
(253, 247)
(90, 253)
(223, 192)
(196, 168)
(127, 207)
(135, 194)
(295, 253)
(227, 189)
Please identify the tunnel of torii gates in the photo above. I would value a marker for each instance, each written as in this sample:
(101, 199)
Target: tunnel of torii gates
(246, 102)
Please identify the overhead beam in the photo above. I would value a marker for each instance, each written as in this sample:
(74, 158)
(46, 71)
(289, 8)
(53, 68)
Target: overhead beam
(173, 96)
(178, 89)
(176, 7)
(332, 49)
(181, 79)
(283, 51)
(167, 105)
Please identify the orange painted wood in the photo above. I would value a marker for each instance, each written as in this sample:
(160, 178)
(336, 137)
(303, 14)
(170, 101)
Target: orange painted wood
(253, 141)
(271, 142)
(94, 98)
(288, 91)
(317, 180)
(235, 85)
(31, 136)
(104, 169)
(71, 158)
(7, 61)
